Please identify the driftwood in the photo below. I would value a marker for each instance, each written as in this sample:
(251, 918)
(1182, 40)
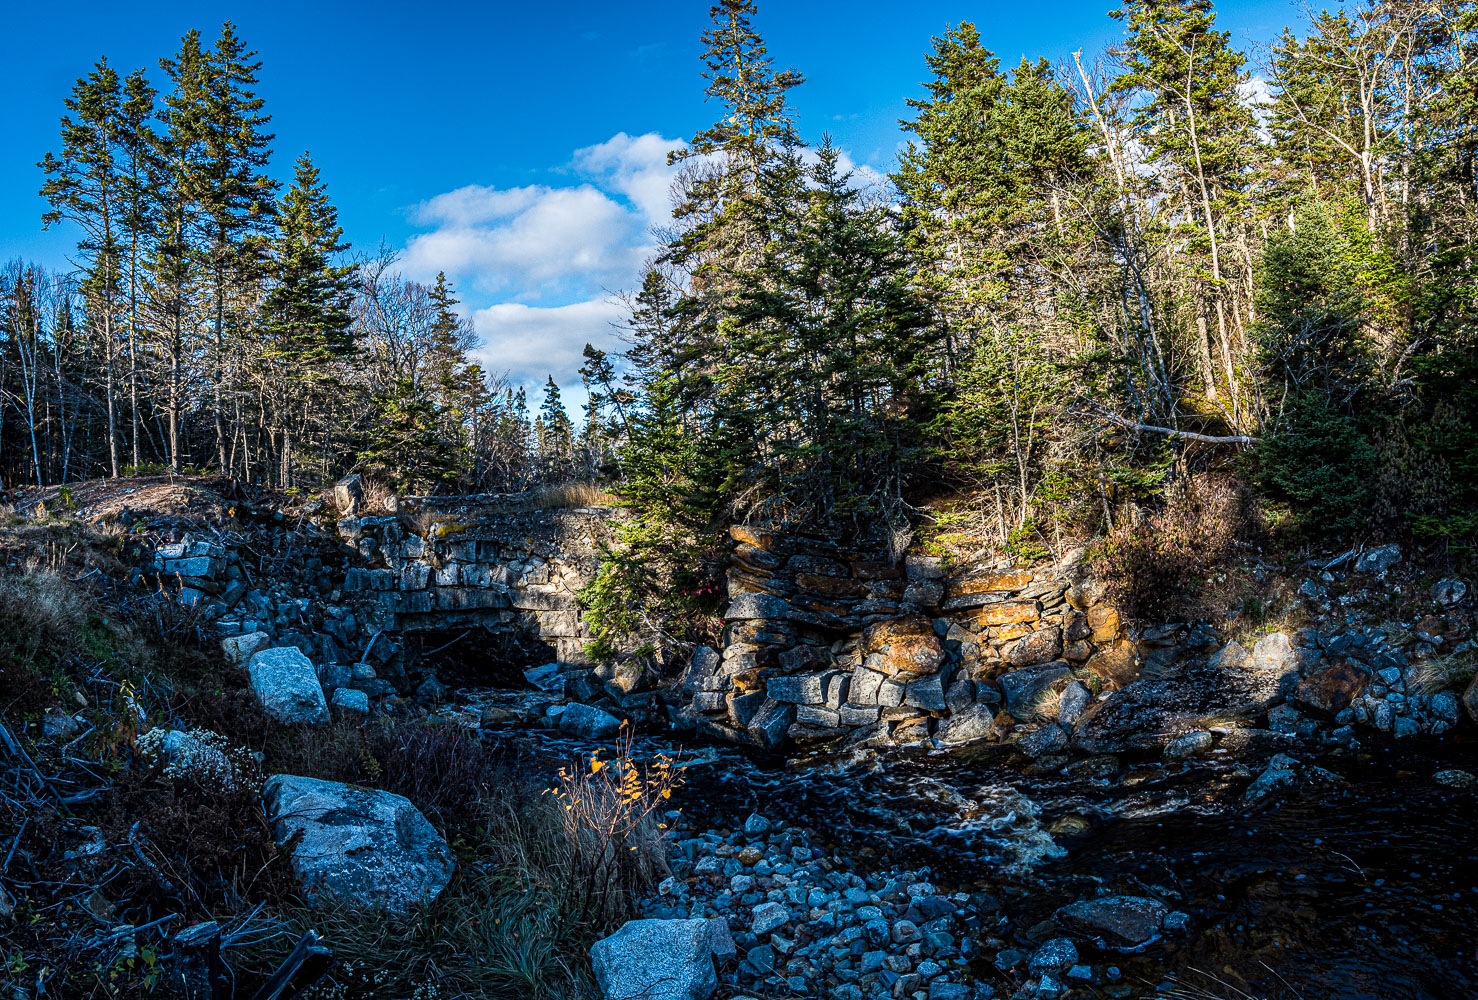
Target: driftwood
(1132, 425)
(306, 964)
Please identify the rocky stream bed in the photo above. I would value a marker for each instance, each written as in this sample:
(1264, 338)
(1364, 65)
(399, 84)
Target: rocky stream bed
(945, 873)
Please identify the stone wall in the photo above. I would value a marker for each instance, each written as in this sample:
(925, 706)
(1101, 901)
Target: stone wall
(488, 561)
(821, 639)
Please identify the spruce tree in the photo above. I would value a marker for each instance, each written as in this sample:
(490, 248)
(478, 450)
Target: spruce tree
(557, 436)
(137, 153)
(175, 176)
(215, 113)
(84, 186)
(306, 314)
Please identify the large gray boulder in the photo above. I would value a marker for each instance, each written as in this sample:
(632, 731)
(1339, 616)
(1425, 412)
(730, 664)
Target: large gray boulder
(1114, 921)
(656, 960)
(973, 723)
(359, 846)
(286, 684)
(588, 721)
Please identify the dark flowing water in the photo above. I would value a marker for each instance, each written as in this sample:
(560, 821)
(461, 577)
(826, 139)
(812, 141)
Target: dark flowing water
(1362, 889)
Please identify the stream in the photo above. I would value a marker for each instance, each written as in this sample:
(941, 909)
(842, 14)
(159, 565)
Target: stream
(1361, 889)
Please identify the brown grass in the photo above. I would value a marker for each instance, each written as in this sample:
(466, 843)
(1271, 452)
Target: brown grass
(1159, 568)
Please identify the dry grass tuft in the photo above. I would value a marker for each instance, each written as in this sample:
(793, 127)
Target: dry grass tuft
(566, 496)
(1455, 670)
(49, 628)
(376, 500)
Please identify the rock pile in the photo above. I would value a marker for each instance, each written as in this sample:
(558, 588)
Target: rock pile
(824, 642)
(791, 919)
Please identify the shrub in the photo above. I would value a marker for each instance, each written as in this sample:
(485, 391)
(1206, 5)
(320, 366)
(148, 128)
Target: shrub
(611, 830)
(1155, 569)
(1321, 465)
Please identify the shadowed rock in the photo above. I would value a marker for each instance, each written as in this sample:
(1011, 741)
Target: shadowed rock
(363, 847)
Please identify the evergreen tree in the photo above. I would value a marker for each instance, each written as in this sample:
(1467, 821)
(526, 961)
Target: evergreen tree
(84, 186)
(407, 447)
(215, 112)
(306, 314)
(174, 177)
(137, 154)
(556, 434)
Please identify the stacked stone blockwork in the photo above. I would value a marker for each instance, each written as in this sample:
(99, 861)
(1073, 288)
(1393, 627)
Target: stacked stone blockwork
(823, 640)
(470, 561)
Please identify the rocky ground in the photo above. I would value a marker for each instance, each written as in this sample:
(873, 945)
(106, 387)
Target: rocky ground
(1363, 649)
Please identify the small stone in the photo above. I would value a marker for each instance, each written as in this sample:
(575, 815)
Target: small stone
(768, 917)
(1454, 778)
(1050, 739)
(240, 648)
(56, 723)
(1449, 592)
(1378, 560)
(350, 703)
(1056, 955)
(943, 990)
(1074, 702)
(905, 932)
(1190, 744)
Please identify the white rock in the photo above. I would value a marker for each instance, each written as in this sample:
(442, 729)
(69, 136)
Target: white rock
(359, 846)
(286, 684)
(239, 648)
(656, 960)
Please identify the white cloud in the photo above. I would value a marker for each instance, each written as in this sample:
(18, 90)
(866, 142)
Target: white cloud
(526, 242)
(531, 342)
(636, 166)
(542, 243)
(474, 204)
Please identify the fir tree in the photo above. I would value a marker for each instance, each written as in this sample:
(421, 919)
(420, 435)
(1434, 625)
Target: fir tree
(84, 186)
(556, 434)
(306, 314)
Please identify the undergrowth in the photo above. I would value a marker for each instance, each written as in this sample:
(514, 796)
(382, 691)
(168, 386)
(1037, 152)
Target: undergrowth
(103, 836)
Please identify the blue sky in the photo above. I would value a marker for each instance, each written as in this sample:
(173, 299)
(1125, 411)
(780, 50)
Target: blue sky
(519, 146)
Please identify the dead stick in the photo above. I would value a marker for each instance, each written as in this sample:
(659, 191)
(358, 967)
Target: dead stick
(1114, 418)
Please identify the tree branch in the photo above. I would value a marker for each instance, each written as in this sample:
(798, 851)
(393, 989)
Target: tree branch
(1188, 435)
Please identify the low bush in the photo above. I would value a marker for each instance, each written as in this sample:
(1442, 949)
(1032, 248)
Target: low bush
(50, 632)
(1157, 568)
